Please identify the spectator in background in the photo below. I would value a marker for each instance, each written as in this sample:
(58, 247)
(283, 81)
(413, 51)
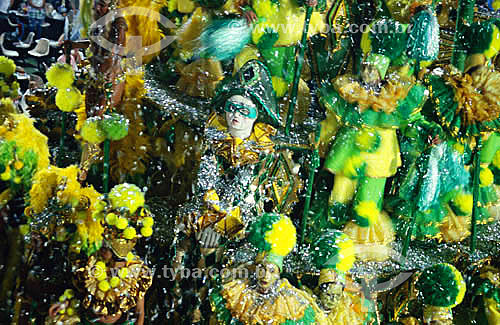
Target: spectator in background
(36, 16)
(5, 5)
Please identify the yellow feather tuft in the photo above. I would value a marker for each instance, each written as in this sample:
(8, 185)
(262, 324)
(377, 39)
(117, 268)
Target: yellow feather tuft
(282, 237)
(28, 137)
(347, 255)
(280, 86)
(463, 202)
(368, 210)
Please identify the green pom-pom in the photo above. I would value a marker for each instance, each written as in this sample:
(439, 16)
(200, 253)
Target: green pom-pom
(441, 285)
(91, 131)
(114, 126)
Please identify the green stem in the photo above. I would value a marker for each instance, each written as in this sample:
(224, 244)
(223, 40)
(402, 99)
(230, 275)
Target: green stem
(312, 171)
(105, 176)
(298, 69)
(61, 140)
(475, 193)
(465, 16)
(409, 232)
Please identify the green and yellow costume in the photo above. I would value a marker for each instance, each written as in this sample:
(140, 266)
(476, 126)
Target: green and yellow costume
(334, 255)
(239, 301)
(365, 150)
(466, 105)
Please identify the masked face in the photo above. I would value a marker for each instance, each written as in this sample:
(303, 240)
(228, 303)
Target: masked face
(241, 114)
(330, 295)
(370, 74)
(267, 275)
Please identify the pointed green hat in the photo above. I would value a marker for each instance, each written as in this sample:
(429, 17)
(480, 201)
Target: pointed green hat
(253, 81)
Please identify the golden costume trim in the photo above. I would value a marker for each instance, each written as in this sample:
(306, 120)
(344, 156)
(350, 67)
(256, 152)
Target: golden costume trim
(386, 100)
(242, 152)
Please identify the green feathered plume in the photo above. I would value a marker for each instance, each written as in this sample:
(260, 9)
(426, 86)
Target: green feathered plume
(423, 39)
(441, 285)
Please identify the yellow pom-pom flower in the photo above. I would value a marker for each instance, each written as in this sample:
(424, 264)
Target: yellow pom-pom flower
(485, 177)
(353, 166)
(464, 201)
(111, 219)
(368, 210)
(148, 222)
(91, 132)
(121, 223)
(146, 231)
(69, 99)
(130, 256)
(104, 286)
(129, 233)
(114, 282)
(69, 293)
(70, 311)
(282, 236)
(496, 4)
(60, 75)
(7, 66)
(126, 196)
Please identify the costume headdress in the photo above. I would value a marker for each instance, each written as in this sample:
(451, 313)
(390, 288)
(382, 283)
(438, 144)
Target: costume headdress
(275, 237)
(383, 42)
(334, 255)
(254, 81)
(125, 218)
(441, 285)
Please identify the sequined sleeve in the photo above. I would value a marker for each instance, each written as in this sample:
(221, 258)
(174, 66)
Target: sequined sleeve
(207, 173)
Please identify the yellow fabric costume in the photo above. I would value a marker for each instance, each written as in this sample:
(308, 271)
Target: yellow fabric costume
(251, 307)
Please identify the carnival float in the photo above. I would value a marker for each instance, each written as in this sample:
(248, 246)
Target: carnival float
(256, 162)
